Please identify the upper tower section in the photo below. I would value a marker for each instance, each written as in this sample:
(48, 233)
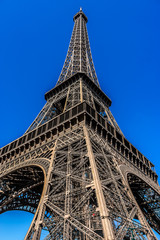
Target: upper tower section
(79, 57)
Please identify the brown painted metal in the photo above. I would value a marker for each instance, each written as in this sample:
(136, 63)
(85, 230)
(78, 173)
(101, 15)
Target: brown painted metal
(74, 169)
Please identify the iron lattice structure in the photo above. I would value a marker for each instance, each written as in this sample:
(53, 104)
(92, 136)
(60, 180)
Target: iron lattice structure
(74, 169)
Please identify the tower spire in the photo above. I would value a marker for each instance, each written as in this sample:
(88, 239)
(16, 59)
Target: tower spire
(79, 57)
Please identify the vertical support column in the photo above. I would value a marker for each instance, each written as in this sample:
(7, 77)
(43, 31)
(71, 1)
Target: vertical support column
(66, 230)
(35, 229)
(108, 116)
(81, 91)
(143, 221)
(80, 42)
(150, 235)
(66, 99)
(104, 213)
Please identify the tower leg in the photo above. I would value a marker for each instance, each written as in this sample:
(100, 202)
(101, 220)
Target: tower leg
(106, 222)
(35, 229)
(150, 235)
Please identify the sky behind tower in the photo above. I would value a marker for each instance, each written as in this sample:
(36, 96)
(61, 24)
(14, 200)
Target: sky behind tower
(124, 37)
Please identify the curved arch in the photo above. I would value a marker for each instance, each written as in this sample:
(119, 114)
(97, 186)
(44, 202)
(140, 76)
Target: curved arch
(125, 170)
(37, 169)
(22, 186)
(146, 193)
(23, 209)
(43, 163)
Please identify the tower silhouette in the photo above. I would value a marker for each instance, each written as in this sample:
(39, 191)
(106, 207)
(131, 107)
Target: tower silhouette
(73, 168)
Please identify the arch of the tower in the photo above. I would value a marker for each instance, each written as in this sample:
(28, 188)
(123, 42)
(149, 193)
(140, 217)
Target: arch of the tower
(146, 195)
(21, 189)
(148, 200)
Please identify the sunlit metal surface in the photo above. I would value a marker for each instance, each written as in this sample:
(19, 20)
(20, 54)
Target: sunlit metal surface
(74, 169)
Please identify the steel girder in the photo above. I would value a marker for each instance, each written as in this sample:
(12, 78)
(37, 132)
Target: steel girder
(73, 168)
(70, 204)
(79, 57)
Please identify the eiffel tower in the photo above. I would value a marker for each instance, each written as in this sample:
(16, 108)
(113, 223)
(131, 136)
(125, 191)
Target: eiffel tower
(74, 169)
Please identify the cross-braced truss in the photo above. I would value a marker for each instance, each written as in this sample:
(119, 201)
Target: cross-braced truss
(79, 58)
(73, 168)
(71, 204)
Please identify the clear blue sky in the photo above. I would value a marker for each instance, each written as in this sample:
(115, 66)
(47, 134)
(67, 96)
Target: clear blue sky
(125, 43)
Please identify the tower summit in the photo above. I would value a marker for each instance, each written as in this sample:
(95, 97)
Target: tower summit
(79, 58)
(74, 169)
